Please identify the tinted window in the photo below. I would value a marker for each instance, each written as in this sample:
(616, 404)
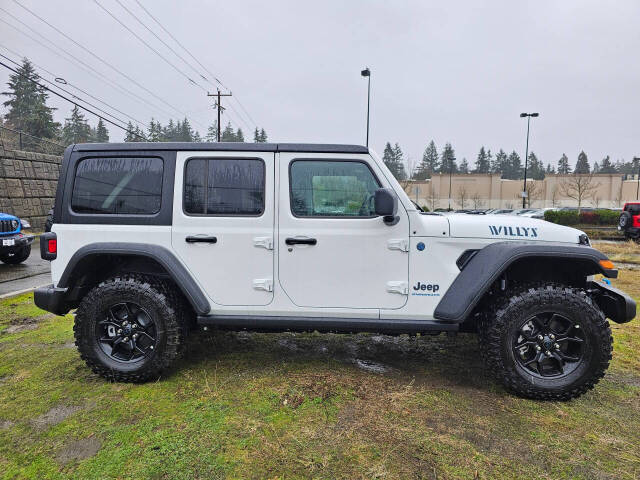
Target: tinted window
(330, 188)
(118, 185)
(224, 187)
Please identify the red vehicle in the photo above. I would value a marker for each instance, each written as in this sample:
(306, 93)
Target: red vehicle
(629, 222)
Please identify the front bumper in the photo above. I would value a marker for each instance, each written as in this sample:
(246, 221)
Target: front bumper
(614, 303)
(18, 241)
(51, 299)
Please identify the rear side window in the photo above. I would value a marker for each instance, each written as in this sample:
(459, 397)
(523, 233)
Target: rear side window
(224, 187)
(118, 185)
(322, 188)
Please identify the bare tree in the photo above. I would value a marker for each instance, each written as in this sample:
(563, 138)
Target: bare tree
(434, 201)
(478, 202)
(554, 197)
(462, 195)
(596, 201)
(534, 189)
(579, 187)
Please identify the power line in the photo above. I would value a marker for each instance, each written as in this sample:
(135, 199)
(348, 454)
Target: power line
(71, 101)
(180, 44)
(57, 77)
(101, 59)
(190, 80)
(251, 120)
(161, 40)
(88, 68)
(70, 93)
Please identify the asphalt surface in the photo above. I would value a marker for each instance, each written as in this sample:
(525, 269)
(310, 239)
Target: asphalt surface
(32, 273)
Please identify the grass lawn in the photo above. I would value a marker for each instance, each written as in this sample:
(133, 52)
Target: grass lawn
(304, 406)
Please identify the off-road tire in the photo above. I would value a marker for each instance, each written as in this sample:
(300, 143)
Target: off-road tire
(152, 295)
(504, 319)
(18, 257)
(625, 220)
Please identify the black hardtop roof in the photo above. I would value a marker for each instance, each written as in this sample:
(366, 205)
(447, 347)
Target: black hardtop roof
(222, 147)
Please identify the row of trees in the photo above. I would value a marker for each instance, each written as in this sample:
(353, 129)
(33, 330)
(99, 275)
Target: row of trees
(28, 112)
(508, 166)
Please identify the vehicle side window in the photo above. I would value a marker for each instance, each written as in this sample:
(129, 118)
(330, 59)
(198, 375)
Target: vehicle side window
(118, 185)
(325, 188)
(224, 187)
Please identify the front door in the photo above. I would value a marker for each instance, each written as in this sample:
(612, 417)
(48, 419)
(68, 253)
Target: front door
(333, 250)
(223, 224)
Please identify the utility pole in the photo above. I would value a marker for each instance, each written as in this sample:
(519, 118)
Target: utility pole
(637, 159)
(219, 106)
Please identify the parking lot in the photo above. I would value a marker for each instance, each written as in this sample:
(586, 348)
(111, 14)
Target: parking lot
(34, 272)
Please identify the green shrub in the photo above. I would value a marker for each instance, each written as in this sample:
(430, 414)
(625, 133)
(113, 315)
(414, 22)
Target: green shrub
(562, 217)
(571, 217)
(425, 208)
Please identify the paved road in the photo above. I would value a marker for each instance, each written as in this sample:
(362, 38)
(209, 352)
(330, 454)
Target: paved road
(34, 272)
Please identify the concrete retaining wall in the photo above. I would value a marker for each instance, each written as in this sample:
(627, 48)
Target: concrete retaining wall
(28, 183)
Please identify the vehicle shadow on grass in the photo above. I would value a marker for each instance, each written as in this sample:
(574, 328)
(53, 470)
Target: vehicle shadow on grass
(441, 360)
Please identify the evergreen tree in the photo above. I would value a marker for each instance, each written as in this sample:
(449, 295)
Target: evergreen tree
(482, 162)
(392, 158)
(501, 164)
(582, 165)
(550, 169)
(228, 135)
(535, 168)
(196, 136)
(256, 135)
(28, 110)
(563, 165)
(596, 168)
(239, 135)
(154, 131)
(212, 132)
(185, 131)
(448, 160)
(490, 160)
(76, 128)
(130, 136)
(514, 167)
(429, 163)
(606, 166)
(464, 166)
(101, 134)
(263, 136)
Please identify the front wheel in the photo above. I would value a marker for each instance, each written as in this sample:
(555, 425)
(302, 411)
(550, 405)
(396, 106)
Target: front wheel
(17, 257)
(546, 342)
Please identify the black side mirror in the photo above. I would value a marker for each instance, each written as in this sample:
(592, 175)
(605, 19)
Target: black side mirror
(386, 205)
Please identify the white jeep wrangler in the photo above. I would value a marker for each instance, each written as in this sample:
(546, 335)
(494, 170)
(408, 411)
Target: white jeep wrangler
(151, 239)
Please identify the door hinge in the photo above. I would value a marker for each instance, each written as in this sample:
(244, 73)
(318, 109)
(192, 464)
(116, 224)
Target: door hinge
(264, 242)
(398, 287)
(398, 244)
(265, 284)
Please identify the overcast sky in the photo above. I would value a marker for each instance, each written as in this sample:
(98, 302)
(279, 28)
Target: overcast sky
(458, 72)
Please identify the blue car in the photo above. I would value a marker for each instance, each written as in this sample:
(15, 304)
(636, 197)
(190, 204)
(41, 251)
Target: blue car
(15, 246)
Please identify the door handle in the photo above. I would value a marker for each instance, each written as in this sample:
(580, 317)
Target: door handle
(196, 239)
(300, 241)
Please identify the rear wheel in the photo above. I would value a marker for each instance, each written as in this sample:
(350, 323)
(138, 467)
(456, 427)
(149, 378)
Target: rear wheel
(17, 257)
(127, 329)
(546, 342)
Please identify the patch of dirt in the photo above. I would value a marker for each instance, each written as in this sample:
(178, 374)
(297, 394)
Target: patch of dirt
(24, 324)
(6, 424)
(54, 416)
(79, 450)
(372, 367)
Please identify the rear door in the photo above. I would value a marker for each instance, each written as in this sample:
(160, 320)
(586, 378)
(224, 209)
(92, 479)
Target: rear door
(223, 223)
(333, 250)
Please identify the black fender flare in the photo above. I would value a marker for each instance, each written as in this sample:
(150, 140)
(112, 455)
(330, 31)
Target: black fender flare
(176, 270)
(486, 266)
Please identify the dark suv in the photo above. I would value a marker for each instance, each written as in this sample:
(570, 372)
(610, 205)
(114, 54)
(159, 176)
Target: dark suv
(629, 222)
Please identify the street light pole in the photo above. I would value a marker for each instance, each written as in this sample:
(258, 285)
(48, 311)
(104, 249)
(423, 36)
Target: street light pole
(367, 73)
(637, 159)
(526, 157)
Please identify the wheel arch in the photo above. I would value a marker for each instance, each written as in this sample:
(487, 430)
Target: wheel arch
(518, 261)
(97, 261)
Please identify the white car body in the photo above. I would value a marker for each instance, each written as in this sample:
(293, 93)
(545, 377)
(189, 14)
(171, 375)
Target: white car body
(359, 268)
